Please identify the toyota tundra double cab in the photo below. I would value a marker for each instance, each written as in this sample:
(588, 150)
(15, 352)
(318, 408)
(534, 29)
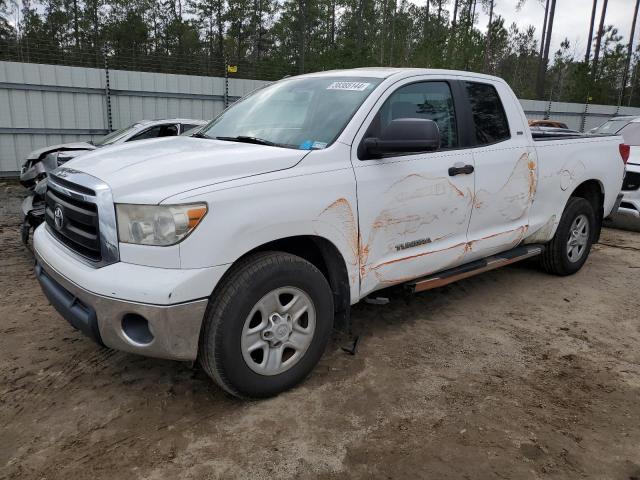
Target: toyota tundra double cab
(241, 245)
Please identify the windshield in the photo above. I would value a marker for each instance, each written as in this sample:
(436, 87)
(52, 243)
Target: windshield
(302, 113)
(610, 127)
(113, 136)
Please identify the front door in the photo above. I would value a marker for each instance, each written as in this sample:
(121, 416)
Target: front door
(413, 216)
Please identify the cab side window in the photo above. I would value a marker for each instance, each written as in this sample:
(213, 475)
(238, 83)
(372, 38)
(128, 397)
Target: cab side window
(488, 113)
(425, 100)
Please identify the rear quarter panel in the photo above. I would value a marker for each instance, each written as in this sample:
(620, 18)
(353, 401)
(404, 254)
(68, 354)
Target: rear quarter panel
(565, 164)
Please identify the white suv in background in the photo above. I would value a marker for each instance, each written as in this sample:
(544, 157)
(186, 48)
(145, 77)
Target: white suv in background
(629, 128)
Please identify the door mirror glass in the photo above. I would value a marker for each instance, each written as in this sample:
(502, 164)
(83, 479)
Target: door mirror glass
(404, 135)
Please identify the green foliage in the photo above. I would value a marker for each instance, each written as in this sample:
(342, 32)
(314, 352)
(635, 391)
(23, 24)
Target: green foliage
(272, 38)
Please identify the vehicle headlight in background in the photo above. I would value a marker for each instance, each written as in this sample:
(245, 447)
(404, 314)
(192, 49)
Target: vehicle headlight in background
(160, 225)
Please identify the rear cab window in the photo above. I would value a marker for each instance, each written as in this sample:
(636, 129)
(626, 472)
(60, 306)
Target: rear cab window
(189, 126)
(488, 114)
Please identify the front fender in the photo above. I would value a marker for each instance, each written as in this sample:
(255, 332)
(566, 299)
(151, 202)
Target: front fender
(311, 199)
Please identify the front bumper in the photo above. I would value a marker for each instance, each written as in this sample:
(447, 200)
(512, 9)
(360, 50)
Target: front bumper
(174, 329)
(103, 307)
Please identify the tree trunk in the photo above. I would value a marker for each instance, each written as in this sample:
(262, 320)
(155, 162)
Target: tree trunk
(393, 33)
(590, 39)
(360, 30)
(487, 48)
(302, 14)
(596, 54)
(625, 75)
(544, 30)
(542, 68)
(455, 13)
(220, 25)
(76, 32)
(383, 33)
(634, 79)
(257, 30)
(333, 22)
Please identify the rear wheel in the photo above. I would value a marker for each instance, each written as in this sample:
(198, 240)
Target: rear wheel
(568, 250)
(267, 326)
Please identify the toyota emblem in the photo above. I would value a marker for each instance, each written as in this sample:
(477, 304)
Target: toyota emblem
(58, 217)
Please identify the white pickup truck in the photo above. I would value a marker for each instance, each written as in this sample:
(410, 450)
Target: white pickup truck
(240, 246)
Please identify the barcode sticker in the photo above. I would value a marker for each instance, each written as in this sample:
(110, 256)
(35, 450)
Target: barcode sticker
(352, 86)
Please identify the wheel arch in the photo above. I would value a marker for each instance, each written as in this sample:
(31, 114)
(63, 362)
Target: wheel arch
(321, 253)
(592, 190)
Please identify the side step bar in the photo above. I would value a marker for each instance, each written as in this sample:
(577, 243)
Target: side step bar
(474, 268)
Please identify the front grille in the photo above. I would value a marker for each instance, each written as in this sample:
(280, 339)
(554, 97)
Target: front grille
(631, 181)
(77, 225)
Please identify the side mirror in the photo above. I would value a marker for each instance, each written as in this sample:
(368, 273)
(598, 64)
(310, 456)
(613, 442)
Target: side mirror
(404, 135)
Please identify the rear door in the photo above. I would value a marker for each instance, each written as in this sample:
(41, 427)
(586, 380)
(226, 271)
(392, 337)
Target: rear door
(505, 169)
(413, 216)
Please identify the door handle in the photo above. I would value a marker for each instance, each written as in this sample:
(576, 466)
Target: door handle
(460, 169)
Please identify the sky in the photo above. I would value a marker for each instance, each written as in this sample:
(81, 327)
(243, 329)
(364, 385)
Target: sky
(571, 19)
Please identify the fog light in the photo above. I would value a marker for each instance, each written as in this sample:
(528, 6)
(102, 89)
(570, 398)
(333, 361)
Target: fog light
(136, 328)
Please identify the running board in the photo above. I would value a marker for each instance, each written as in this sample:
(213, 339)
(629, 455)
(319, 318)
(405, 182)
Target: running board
(474, 268)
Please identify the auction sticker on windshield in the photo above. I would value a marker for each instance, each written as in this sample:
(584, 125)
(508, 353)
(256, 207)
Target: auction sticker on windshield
(353, 86)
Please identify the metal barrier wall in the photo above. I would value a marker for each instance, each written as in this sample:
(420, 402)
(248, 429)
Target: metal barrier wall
(43, 105)
(577, 116)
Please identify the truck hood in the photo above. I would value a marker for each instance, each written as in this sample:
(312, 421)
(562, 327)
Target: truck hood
(36, 154)
(149, 171)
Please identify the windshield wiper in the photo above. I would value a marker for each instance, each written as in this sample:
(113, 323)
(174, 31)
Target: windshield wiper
(247, 139)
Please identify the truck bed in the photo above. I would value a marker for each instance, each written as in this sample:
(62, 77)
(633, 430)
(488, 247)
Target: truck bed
(541, 136)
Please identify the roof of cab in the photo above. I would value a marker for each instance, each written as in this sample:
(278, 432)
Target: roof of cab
(386, 72)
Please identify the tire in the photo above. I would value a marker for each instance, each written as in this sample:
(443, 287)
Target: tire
(253, 283)
(556, 258)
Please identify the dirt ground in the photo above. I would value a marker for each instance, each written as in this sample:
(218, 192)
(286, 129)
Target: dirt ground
(512, 374)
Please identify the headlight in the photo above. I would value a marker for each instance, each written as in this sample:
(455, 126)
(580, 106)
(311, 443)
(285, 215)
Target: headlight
(160, 225)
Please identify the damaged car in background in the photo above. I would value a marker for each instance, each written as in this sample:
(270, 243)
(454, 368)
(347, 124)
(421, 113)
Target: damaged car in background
(44, 160)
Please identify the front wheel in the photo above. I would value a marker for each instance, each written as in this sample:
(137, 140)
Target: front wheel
(568, 250)
(267, 325)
